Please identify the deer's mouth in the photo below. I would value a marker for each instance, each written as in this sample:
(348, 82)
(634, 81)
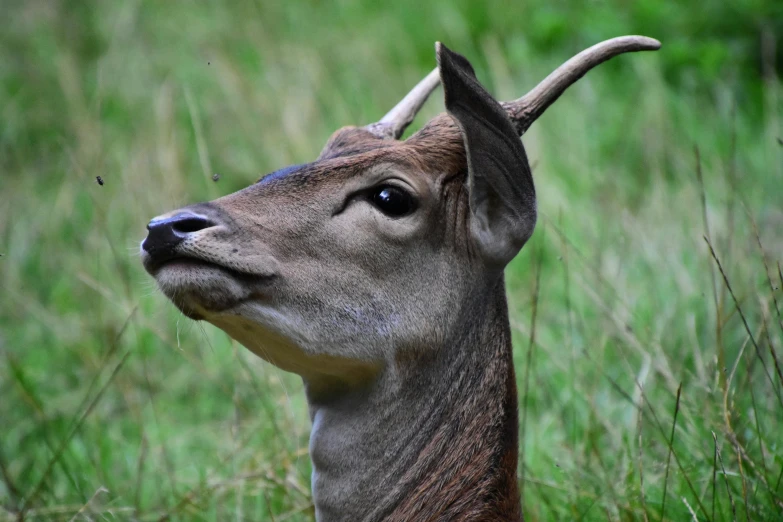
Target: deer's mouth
(200, 287)
(188, 263)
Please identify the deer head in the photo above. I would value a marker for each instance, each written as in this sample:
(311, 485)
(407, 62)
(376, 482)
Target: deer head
(375, 261)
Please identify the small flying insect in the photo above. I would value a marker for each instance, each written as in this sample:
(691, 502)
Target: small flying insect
(215, 177)
(99, 180)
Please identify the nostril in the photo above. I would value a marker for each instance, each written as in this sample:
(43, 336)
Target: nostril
(190, 224)
(165, 234)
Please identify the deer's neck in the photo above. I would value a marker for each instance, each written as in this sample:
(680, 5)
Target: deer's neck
(434, 439)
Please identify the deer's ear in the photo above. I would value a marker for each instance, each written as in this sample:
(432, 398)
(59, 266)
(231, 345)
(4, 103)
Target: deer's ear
(500, 185)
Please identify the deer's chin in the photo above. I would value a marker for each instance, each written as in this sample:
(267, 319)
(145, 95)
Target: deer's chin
(200, 289)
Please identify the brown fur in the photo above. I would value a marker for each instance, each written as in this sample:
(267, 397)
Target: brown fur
(468, 470)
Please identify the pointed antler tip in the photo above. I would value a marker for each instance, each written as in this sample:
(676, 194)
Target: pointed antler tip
(644, 43)
(525, 110)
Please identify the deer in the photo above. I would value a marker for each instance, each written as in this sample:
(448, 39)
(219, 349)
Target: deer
(376, 273)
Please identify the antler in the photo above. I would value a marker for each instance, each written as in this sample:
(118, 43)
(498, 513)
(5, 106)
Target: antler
(524, 111)
(397, 120)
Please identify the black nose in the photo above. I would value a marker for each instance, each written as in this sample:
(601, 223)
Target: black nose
(165, 234)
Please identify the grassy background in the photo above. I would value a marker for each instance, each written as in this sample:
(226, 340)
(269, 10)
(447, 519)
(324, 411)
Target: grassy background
(114, 407)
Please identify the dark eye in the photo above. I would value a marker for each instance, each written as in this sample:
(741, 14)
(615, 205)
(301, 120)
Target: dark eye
(392, 201)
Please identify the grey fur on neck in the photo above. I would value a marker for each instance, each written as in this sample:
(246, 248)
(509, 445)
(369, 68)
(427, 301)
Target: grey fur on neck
(375, 446)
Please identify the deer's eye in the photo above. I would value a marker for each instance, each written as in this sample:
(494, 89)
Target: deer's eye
(392, 201)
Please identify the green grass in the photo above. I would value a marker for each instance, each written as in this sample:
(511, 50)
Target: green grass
(113, 406)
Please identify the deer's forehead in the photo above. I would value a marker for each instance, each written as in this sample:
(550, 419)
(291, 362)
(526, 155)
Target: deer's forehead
(288, 172)
(343, 169)
(349, 141)
(305, 176)
(351, 152)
